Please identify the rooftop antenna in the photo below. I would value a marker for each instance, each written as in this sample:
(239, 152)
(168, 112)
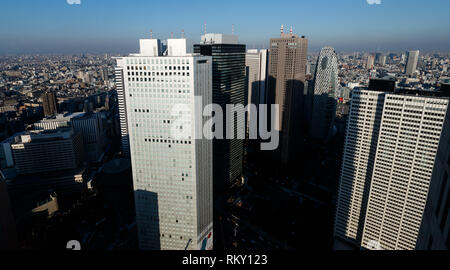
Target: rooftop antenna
(182, 33)
(171, 34)
(291, 31)
(282, 29)
(232, 29)
(205, 28)
(151, 33)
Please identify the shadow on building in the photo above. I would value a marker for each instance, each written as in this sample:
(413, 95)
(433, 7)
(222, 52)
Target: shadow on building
(147, 218)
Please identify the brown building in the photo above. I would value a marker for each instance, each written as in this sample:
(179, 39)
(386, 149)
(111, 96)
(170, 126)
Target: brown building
(49, 103)
(8, 233)
(287, 76)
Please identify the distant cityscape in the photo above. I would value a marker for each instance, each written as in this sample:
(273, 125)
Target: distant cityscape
(104, 149)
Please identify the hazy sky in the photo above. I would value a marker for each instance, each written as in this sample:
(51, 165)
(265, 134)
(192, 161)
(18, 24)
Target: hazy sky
(98, 26)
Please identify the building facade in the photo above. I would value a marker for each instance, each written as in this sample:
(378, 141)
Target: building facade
(257, 67)
(411, 62)
(435, 230)
(390, 152)
(287, 78)
(228, 60)
(121, 100)
(50, 104)
(172, 175)
(46, 151)
(326, 86)
(370, 62)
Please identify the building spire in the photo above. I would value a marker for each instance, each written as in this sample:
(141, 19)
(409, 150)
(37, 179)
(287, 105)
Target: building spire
(291, 31)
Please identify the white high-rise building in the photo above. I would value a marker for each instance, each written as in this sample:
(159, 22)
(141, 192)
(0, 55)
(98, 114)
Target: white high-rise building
(172, 176)
(389, 156)
(326, 86)
(411, 62)
(257, 64)
(357, 163)
(435, 230)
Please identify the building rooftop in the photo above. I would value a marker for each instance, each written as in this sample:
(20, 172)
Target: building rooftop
(209, 39)
(43, 136)
(63, 117)
(388, 86)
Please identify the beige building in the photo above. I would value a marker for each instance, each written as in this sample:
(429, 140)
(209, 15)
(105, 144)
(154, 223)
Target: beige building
(287, 76)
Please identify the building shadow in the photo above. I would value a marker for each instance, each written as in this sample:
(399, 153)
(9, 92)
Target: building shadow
(324, 109)
(147, 219)
(293, 119)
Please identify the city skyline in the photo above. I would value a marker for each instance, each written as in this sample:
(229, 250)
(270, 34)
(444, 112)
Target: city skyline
(113, 26)
(323, 126)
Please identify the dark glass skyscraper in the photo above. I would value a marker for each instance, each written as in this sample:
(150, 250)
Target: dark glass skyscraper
(229, 87)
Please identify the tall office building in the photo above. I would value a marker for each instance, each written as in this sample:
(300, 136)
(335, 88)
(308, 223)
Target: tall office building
(105, 74)
(382, 60)
(326, 86)
(435, 230)
(370, 62)
(411, 62)
(287, 78)
(403, 58)
(172, 176)
(8, 232)
(49, 103)
(228, 60)
(389, 155)
(121, 100)
(257, 64)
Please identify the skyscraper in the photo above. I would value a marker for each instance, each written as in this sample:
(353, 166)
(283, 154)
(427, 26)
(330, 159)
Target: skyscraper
(287, 77)
(389, 155)
(257, 64)
(435, 230)
(121, 100)
(172, 174)
(90, 125)
(411, 62)
(370, 62)
(49, 103)
(382, 60)
(325, 93)
(228, 60)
